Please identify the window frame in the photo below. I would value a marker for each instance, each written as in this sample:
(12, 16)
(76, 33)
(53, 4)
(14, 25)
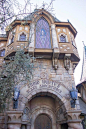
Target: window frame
(66, 39)
(20, 35)
(1, 52)
(49, 36)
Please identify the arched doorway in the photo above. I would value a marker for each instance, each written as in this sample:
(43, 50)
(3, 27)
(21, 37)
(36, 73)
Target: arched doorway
(43, 122)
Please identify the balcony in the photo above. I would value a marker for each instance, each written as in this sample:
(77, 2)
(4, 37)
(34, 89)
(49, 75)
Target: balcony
(11, 49)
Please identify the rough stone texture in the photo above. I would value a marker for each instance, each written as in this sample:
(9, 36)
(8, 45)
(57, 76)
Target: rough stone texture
(47, 93)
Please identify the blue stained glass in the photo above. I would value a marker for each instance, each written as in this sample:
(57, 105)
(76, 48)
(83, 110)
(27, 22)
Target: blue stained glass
(43, 34)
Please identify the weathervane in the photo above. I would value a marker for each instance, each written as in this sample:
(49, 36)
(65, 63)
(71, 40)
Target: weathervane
(43, 4)
(36, 6)
(30, 6)
(49, 7)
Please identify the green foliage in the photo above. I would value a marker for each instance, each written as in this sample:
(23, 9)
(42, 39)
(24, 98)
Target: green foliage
(19, 69)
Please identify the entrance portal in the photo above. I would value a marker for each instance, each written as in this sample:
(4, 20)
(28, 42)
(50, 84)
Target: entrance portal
(43, 122)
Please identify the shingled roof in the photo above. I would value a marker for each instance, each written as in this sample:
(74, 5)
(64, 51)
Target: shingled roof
(83, 73)
(31, 15)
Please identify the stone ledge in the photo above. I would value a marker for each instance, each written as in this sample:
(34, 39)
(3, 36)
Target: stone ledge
(14, 111)
(74, 121)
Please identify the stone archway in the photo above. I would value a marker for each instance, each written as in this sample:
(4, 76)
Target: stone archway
(43, 122)
(49, 104)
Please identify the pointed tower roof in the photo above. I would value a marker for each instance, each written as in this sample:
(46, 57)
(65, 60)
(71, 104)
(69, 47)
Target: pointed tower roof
(83, 74)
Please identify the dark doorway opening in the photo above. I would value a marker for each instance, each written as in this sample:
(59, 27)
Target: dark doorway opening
(43, 122)
(64, 126)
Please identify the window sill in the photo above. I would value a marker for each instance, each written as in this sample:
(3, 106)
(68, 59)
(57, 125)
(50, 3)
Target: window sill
(22, 41)
(64, 42)
(10, 44)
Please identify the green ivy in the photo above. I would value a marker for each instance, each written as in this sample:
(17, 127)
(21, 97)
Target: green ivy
(15, 70)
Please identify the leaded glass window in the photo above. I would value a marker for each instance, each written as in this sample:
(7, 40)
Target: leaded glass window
(22, 37)
(2, 52)
(62, 38)
(43, 34)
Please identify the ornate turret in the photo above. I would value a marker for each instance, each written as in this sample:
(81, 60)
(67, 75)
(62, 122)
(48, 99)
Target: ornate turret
(82, 89)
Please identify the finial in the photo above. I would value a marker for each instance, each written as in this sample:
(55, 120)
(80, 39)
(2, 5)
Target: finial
(83, 43)
(36, 6)
(43, 4)
(68, 20)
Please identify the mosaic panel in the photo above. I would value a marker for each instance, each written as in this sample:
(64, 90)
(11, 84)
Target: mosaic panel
(43, 34)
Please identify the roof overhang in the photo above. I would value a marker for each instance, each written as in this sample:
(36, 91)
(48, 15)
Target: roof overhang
(67, 24)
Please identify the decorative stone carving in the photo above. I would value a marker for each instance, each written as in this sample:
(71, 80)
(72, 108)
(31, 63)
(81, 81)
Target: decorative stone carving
(74, 66)
(74, 121)
(14, 119)
(67, 61)
(75, 125)
(55, 63)
(31, 37)
(26, 115)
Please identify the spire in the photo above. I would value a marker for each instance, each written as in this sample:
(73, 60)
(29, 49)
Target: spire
(83, 74)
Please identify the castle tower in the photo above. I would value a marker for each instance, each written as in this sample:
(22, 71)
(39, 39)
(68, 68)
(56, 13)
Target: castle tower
(82, 89)
(45, 102)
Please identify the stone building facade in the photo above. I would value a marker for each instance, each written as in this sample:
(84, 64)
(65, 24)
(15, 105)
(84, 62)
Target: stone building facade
(44, 103)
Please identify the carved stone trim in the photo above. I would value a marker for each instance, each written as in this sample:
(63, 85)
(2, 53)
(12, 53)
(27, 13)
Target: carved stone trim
(67, 61)
(31, 37)
(55, 63)
(54, 36)
(14, 116)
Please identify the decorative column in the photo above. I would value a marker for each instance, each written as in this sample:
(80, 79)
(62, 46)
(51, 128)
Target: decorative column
(29, 125)
(14, 119)
(55, 47)
(74, 122)
(31, 37)
(54, 37)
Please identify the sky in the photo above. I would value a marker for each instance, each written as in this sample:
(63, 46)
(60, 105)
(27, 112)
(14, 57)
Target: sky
(75, 12)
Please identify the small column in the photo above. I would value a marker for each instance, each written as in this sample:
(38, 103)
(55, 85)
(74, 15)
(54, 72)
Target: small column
(29, 126)
(54, 36)
(14, 119)
(75, 125)
(55, 47)
(31, 37)
(14, 126)
(74, 122)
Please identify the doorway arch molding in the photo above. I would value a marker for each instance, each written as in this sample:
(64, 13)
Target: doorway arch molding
(45, 111)
(55, 94)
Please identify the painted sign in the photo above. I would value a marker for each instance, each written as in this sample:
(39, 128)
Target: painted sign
(48, 84)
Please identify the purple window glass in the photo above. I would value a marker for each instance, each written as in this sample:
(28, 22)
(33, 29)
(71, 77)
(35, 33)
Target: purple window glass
(62, 38)
(22, 37)
(43, 34)
(2, 52)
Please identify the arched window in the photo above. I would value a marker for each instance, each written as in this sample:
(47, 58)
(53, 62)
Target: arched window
(62, 38)
(22, 37)
(2, 52)
(43, 34)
